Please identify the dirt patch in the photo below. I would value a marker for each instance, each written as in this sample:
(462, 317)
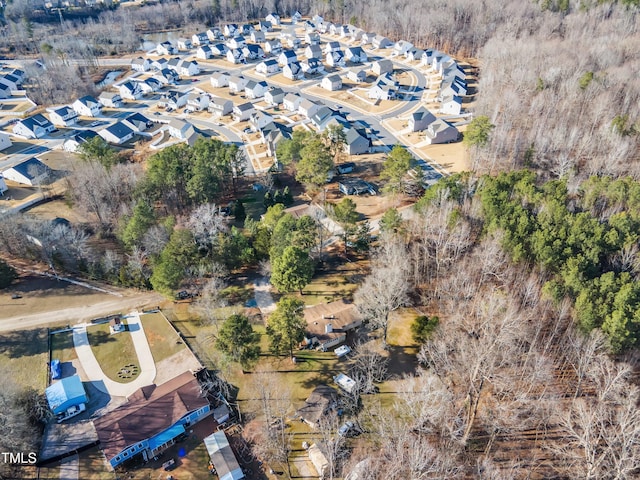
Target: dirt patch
(175, 365)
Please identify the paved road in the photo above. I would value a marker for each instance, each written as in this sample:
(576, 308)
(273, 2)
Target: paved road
(94, 372)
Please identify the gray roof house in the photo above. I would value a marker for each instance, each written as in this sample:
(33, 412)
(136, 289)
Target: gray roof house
(274, 96)
(440, 131)
(420, 120)
(382, 66)
(357, 142)
(331, 83)
(118, 133)
(293, 71)
(110, 99)
(291, 102)
(63, 116)
(243, 111)
(220, 107)
(355, 55)
(313, 51)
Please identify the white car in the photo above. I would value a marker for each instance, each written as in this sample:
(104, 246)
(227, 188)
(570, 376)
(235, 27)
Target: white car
(71, 412)
(342, 351)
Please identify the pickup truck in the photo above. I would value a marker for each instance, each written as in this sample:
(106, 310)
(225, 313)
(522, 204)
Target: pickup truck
(71, 412)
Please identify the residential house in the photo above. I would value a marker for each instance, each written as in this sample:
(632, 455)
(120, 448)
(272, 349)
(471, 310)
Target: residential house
(219, 49)
(274, 18)
(259, 120)
(401, 47)
(322, 400)
(64, 116)
(331, 83)
(382, 91)
(11, 81)
(236, 42)
(268, 67)
(204, 52)
(243, 111)
(382, 66)
(5, 141)
(222, 457)
(335, 58)
(257, 36)
(317, 19)
(273, 47)
(380, 41)
(293, 71)
(356, 141)
(293, 42)
(151, 420)
(116, 325)
(312, 66)
(328, 323)
(440, 131)
(73, 143)
(237, 83)
(160, 64)
(166, 48)
(110, 99)
(182, 130)
(150, 85)
(272, 134)
(137, 122)
(355, 186)
(427, 57)
(28, 172)
(36, 126)
(345, 167)
(219, 79)
(291, 102)
(286, 57)
(420, 120)
(414, 54)
(87, 106)
(130, 90)
(451, 105)
(246, 29)
(355, 55)
(312, 38)
(174, 99)
(253, 52)
(367, 38)
(307, 107)
(184, 44)
(325, 116)
(255, 89)
(166, 76)
(188, 68)
(5, 91)
(296, 17)
(335, 28)
(236, 56)
(344, 31)
(357, 75)
(356, 35)
(230, 30)
(3, 186)
(309, 26)
(198, 101)
(65, 394)
(274, 96)
(454, 87)
(265, 26)
(332, 47)
(440, 61)
(313, 51)
(200, 39)
(214, 34)
(118, 133)
(141, 64)
(220, 107)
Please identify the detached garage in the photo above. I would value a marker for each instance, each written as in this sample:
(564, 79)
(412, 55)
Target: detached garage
(65, 394)
(222, 457)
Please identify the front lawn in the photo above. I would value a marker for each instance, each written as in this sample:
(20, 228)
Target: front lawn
(115, 353)
(162, 338)
(62, 347)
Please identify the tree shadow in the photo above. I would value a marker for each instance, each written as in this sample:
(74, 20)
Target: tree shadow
(23, 343)
(99, 337)
(402, 360)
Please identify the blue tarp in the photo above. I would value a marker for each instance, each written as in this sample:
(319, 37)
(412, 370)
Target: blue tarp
(65, 394)
(55, 369)
(166, 436)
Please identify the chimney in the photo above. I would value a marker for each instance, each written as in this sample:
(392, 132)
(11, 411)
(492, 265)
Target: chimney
(328, 328)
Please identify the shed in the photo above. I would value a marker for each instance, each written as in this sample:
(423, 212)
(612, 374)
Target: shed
(222, 456)
(65, 394)
(316, 406)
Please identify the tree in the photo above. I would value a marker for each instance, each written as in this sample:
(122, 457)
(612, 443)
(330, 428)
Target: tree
(315, 163)
(238, 341)
(478, 132)
(7, 274)
(391, 221)
(422, 328)
(98, 150)
(288, 151)
(292, 270)
(171, 268)
(137, 225)
(396, 166)
(238, 211)
(335, 138)
(286, 325)
(345, 212)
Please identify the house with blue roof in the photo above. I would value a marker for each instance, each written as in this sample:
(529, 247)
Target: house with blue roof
(117, 133)
(65, 394)
(36, 126)
(28, 172)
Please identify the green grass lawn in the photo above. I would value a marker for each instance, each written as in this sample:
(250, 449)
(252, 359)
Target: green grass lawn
(113, 352)
(161, 336)
(62, 347)
(23, 357)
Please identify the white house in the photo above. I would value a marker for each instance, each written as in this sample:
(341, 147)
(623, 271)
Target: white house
(110, 99)
(307, 107)
(230, 30)
(334, 28)
(118, 133)
(357, 75)
(257, 36)
(166, 48)
(367, 38)
(174, 99)
(274, 96)
(453, 88)
(331, 83)
(265, 26)
(259, 120)
(401, 47)
(252, 52)
(313, 51)
(274, 18)
(130, 90)
(5, 141)
(255, 89)
(356, 34)
(312, 38)
(293, 71)
(274, 47)
(220, 107)
(184, 44)
(28, 172)
(219, 79)
(197, 101)
(291, 101)
(64, 116)
(204, 52)
(36, 126)
(332, 47)
(188, 68)
(200, 38)
(236, 56)
(335, 58)
(296, 17)
(87, 106)
(141, 64)
(286, 57)
(356, 142)
(292, 41)
(414, 54)
(137, 122)
(160, 64)
(420, 120)
(268, 67)
(150, 85)
(312, 66)
(214, 34)
(440, 131)
(237, 83)
(382, 66)
(3, 185)
(427, 57)
(73, 143)
(243, 111)
(382, 91)
(236, 42)
(355, 55)
(451, 105)
(380, 41)
(182, 130)
(167, 76)
(219, 49)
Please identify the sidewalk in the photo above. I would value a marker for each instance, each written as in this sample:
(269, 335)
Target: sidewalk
(94, 371)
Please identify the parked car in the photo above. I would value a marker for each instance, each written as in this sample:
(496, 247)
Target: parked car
(349, 429)
(71, 412)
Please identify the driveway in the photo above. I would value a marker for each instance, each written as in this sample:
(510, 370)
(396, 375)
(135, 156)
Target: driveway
(94, 372)
(262, 293)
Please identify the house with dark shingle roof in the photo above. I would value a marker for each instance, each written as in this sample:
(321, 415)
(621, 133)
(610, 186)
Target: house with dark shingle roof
(117, 133)
(63, 116)
(36, 126)
(28, 172)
